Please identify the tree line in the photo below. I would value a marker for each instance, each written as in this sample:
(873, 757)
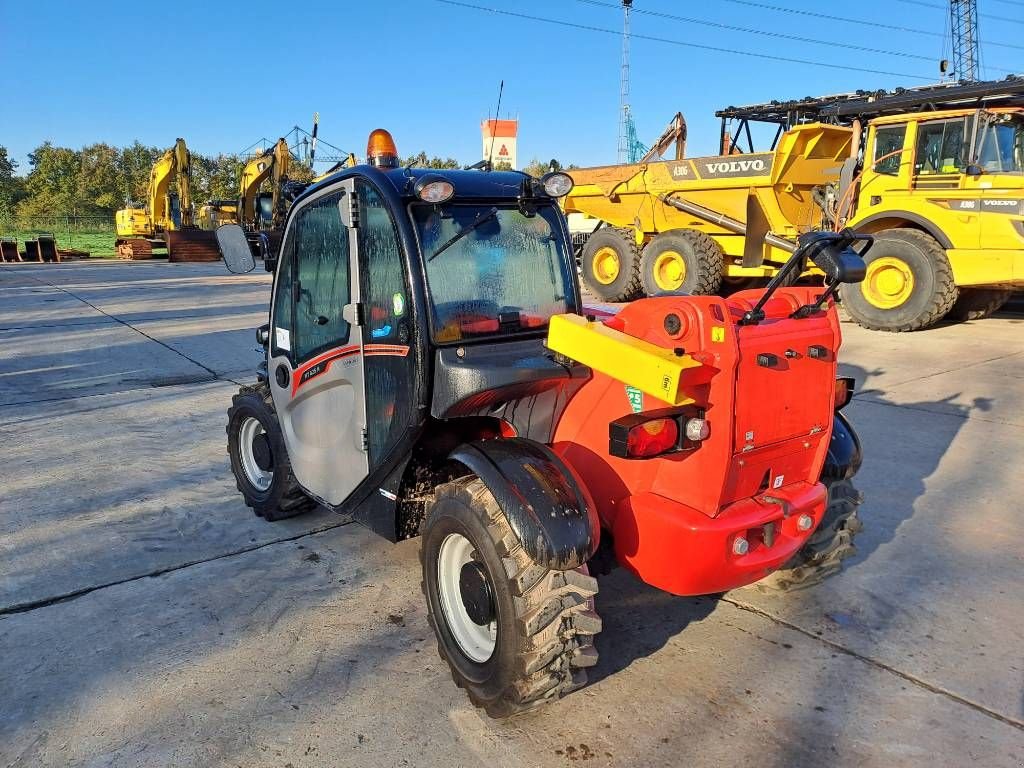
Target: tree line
(98, 179)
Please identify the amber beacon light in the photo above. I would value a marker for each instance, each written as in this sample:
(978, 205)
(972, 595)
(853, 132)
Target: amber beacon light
(381, 151)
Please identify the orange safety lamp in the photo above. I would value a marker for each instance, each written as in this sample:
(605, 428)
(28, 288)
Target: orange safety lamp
(381, 151)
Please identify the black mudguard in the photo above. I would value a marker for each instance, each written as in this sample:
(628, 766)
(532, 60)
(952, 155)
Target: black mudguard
(844, 452)
(541, 499)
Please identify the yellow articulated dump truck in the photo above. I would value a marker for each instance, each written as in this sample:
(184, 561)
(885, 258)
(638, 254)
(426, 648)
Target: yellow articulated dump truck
(936, 174)
(650, 245)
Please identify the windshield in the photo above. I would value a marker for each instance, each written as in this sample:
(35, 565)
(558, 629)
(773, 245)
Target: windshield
(1002, 145)
(507, 273)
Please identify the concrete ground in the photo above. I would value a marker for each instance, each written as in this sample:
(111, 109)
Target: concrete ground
(148, 618)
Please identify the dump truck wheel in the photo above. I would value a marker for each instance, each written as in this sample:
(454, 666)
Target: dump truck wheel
(828, 546)
(259, 458)
(514, 633)
(908, 286)
(684, 261)
(611, 264)
(978, 303)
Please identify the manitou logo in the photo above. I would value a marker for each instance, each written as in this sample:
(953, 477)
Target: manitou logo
(735, 166)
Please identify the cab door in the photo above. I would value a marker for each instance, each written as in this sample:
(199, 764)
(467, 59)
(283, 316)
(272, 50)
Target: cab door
(316, 347)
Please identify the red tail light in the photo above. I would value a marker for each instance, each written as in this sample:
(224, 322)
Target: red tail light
(643, 435)
(652, 437)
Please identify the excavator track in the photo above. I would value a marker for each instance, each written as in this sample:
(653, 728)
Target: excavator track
(192, 245)
(134, 248)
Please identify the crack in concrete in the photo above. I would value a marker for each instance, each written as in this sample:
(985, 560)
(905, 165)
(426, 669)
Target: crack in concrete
(930, 687)
(46, 602)
(126, 324)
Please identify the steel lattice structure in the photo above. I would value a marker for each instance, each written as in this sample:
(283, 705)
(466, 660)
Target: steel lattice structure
(963, 24)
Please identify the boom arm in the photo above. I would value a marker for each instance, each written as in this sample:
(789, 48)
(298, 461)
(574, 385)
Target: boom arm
(275, 164)
(174, 161)
(674, 134)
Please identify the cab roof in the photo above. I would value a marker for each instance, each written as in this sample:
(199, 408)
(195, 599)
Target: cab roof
(485, 185)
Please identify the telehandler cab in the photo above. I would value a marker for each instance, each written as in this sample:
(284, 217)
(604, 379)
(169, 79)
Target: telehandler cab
(431, 369)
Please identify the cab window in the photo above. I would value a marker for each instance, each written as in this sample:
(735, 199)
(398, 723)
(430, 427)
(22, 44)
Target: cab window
(941, 147)
(389, 364)
(313, 283)
(493, 271)
(888, 143)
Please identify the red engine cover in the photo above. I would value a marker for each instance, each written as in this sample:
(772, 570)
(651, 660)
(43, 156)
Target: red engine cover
(767, 391)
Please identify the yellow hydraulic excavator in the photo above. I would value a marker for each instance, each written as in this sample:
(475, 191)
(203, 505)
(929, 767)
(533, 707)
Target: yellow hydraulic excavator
(167, 220)
(264, 210)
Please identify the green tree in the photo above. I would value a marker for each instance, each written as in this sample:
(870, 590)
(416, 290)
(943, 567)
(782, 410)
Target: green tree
(422, 161)
(51, 186)
(11, 186)
(537, 168)
(134, 165)
(98, 182)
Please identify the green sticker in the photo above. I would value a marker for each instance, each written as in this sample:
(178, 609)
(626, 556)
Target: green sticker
(398, 304)
(636, 398)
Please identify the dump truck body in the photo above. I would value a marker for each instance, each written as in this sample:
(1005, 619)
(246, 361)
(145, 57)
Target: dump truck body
(770, 191)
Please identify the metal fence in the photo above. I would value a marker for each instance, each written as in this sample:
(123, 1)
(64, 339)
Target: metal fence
(94, 234)
(66, 225)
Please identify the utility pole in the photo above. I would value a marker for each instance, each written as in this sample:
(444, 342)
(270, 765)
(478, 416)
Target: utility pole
(625, 120)
(963, 24)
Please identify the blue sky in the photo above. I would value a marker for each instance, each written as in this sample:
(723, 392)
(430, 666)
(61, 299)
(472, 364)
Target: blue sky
(117, 71)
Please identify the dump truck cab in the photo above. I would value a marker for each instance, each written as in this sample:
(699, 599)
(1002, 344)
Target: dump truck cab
(956, 177)
(431, 370)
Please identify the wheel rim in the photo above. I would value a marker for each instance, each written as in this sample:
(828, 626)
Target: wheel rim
(606, 265)
(889, 282)
(475, 640)
(669, 270)
(248, 432)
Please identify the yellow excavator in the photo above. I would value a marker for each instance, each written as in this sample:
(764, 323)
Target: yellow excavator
(167, 220)
(264, 210)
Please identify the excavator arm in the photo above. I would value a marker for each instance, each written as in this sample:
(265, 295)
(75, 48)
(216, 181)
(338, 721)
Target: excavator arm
(274, 164)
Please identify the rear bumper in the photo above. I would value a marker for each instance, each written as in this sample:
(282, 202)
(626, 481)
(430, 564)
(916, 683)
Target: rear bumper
(995, 268)
(678, 549)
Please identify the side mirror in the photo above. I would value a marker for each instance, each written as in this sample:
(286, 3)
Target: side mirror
(832, 253)
(235, 249)
(973, 169)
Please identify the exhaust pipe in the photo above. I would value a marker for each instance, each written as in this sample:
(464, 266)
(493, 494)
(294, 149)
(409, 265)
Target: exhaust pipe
(725, 222)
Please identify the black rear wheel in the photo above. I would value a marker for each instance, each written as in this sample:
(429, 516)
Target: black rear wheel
(978, 303)
(827, 547)
(259, 458)
(682, 260)
(514, 633)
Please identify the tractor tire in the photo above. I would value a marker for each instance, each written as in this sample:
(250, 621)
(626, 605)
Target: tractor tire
(682, 261)
(515, 633)
(909, 283)
(828, 546)
(978, 303)
(610, 264)
(259, 458)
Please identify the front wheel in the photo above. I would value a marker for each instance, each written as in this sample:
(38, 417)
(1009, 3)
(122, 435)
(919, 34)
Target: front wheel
(514, 633)
(908, 285)
(259, 458)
